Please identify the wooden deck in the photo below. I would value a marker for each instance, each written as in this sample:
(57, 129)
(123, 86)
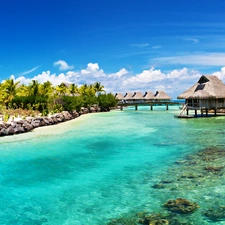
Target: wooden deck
(150, 104)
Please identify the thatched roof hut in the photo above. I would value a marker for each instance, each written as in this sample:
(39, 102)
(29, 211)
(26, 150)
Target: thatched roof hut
(138, 96)
(119, 96)
(207, 87)
(161, 95)
(149, 95)
(129, 96)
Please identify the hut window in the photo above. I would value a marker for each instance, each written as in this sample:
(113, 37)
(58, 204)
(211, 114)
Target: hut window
(220, 100)
(203, 79)
(200, 87)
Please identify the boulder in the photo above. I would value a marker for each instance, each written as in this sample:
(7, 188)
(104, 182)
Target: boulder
(3, 131)
(181, 206)
(10, 130)
(27, 126)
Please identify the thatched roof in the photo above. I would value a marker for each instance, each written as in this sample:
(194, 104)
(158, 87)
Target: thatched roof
(129, 96)
(119, 96)
(208, 86)
(161, 95)
(149, 95)
(138, 96)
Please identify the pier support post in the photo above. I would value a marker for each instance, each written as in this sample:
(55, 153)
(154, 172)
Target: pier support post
(187, 112)
(151, 107)
(121, 107)
(201, 112)
(136, 107)
(196, 113)
(214, 112)
(167, 106)
(206, 112)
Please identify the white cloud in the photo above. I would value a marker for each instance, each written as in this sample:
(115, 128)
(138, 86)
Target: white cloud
(177, 73)
(210, 59)
(160, 88)
(194, 40)
(140, 45)
(119, 74)
(174, 82)
(146, 76)
(220, 74)
(92, 71)
(29, 71)
(63, 65)
(156, 47)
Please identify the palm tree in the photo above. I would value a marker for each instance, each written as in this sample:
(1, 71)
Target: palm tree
(34, 88)
(98, 88)
(46, 89)
(73, 89)
(62, 89)
(23, 90)
(10, 90)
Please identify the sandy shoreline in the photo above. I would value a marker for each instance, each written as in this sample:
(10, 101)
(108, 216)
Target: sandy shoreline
(54, 129)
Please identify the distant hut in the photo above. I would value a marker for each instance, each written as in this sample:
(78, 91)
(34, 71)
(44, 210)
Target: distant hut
(207, 94)
(129, 97)
(138, 97)
(161, 96)
(148, 96)
(119, 96)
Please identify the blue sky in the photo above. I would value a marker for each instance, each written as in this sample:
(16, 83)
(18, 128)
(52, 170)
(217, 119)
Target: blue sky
(127, 45)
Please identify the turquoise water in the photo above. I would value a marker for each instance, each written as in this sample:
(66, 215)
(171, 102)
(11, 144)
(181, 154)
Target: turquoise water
(100, 166)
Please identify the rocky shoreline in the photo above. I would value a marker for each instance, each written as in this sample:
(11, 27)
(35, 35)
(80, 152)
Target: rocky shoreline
(30, 123)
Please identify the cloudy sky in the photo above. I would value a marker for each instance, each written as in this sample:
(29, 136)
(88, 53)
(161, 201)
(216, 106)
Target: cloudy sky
(127, 45)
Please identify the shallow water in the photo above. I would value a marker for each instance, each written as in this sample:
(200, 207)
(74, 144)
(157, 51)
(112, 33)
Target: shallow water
(101, 166)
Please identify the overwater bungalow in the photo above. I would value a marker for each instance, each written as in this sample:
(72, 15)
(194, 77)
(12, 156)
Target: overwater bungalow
(207, 94)
(119, 96)
(161, 96)
(138, 97)
(129, 97)
(148, 96)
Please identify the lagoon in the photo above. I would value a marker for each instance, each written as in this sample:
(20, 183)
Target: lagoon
(103, 166)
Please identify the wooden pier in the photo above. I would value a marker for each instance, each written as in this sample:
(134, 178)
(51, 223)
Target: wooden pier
(150, 104)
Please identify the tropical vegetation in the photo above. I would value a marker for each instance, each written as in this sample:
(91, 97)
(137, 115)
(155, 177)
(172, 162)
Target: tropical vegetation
(44, 98)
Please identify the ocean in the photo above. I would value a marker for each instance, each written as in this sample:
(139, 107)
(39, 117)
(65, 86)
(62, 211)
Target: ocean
(106, 167)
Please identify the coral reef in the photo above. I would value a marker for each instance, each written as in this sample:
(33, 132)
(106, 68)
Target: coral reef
(181, 205)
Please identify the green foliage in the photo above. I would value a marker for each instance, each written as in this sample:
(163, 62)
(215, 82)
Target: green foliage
(106, 101)
(70, 103)
(6, 117)
(45, 98)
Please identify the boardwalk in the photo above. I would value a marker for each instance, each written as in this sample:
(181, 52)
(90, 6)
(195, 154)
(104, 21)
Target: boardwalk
(151, 104)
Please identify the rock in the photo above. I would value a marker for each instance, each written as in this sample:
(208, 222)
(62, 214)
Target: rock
(214, 168)
(215, 214)
(10, 130)
(154, 218)
(67, 115)
(21, 129)
(159, 186)
(181, 206)
(159, 222)
(46, 121)
(4, 131)
(27, 126)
